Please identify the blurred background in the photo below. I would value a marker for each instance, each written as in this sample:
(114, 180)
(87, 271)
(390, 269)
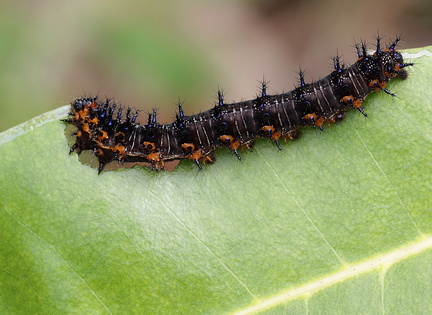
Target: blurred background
(151, 54)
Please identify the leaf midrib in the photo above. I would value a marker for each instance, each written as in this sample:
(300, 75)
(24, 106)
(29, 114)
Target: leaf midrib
(349, 271)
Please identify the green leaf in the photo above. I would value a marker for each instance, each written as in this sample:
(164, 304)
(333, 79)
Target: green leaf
(337, 222)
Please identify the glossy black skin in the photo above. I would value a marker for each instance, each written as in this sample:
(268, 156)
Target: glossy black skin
(243, 121)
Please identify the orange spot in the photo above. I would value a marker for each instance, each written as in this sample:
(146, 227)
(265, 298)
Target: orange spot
(226, 139)
(102, 135)
(83, 113)
(276, 135)
(357, 103)
(153, 157)
(268, 129)
(94, 121)
(196, 155)
(374, 84)
(310, 117)
(188, 147)
(349, 99)
(86, 128)
(319, 122)
(119, 149)
(156, 160)
(150, 146)
(377, 85)
(234, 145)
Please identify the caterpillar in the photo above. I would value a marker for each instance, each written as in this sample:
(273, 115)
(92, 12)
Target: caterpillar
(112, 132)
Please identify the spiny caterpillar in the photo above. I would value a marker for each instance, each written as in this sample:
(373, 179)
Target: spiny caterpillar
(112, 136)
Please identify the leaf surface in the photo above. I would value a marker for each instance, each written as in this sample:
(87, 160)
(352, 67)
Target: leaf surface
(337, 222)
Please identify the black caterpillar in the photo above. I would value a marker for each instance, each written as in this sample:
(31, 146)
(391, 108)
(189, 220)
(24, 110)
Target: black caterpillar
(104, 129)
